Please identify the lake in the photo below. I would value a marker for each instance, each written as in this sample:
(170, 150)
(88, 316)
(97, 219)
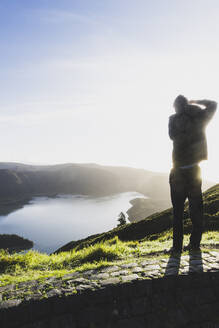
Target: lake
(52, 222)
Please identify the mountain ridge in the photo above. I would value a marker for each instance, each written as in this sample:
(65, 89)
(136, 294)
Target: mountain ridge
(21, 182)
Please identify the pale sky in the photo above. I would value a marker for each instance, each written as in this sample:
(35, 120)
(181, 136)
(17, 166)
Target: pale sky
(94, 80)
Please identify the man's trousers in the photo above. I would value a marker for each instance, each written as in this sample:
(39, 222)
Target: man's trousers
(186, 183)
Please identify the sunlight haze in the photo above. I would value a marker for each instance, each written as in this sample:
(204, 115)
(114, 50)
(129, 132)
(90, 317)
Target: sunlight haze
(94, 81)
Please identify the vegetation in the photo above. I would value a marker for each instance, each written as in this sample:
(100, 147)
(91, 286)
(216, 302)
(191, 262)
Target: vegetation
(155, 225)
(16, 267)
(14, 242)
(32, 265)
(121, 219)
(149, 237)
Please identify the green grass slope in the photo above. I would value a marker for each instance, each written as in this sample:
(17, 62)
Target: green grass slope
(156, 224)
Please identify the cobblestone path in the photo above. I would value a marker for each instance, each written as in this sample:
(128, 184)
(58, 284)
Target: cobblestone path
(138, 269)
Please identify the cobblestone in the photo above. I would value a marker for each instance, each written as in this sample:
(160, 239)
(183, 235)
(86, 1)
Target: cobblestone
(100, 276)
(137, 270)
(130, 277)
(118, 274)
(110, 281)
(115, 274)
(110, 269)
(152, 267)
(129, 265)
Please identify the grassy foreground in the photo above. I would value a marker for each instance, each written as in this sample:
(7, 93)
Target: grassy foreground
(16, 267)
(149, 237)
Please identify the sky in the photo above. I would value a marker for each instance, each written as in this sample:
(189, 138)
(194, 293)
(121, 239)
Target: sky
(93, 81)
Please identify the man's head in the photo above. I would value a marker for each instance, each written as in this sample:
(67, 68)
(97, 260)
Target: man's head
(180, 104)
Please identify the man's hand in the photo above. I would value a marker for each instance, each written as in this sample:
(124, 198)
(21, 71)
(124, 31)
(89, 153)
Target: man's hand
(203, 102)
(208, 112)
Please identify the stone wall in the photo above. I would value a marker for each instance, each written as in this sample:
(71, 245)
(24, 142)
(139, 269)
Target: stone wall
(173, 301)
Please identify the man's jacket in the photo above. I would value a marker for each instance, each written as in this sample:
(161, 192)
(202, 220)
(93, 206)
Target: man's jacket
(187, 130)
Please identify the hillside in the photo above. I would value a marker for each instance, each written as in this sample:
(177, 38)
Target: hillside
(14, 243)
(20, 182)
(155, 225)
(86, 179)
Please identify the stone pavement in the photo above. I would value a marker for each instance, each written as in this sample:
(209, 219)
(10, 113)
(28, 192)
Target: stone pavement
(138, 269)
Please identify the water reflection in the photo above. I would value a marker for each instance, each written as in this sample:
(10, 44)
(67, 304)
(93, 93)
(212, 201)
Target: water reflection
(52, 222)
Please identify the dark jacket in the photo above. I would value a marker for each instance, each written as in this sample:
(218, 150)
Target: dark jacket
(187, 130)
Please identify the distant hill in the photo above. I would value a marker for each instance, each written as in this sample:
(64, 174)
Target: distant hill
(14, 243)
(155, 224)
(21, 182)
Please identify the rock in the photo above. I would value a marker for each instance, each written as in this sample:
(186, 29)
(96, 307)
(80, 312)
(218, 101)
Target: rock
(215, 254)
(122, 272)
(145, 263)
(67, 290)
(137, 269)
(111, 281)
(93, 284)
(36, 296)
(83, 287)
(51, 279)
(77, 281)
(100, 276)
(115, 274)
(164, 260)
(53, 292)
(7, 288)
(150, 274)
(10, 303)
(206, 268)
(130, 277)
(152, 267)
(89, 273)
(70, 275)
(205, 255)
(163, 265)
(129, 265)
(215, 266)
(185, 258)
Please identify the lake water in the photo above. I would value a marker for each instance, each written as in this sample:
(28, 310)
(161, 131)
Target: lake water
(53, 222)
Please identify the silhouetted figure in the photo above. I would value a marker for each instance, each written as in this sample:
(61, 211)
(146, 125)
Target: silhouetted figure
(187, 130)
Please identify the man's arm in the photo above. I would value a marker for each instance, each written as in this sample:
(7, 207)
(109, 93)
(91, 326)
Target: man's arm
(172, 131)
(210, 108)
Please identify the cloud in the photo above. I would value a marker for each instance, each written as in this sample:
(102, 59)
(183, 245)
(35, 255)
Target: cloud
(38, 112)
(63, 16)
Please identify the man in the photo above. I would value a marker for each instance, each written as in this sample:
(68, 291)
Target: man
(187, 130)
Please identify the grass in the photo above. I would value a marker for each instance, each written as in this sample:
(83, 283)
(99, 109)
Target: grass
(34, 265)
(156, 224)
(15, 268)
